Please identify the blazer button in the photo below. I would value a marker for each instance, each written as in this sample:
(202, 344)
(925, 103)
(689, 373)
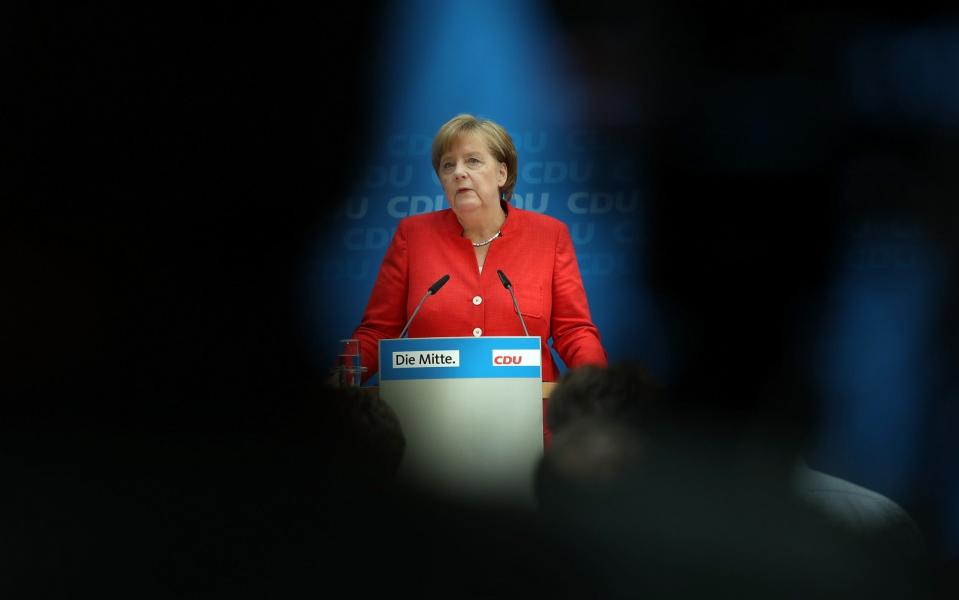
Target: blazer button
(477, 332)
(477, 300)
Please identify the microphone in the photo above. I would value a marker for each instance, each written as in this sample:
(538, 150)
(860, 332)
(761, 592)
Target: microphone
(509, 288)
(433, 289)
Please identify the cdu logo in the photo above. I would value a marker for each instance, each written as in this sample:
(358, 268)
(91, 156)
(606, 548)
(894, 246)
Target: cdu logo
(516, 358)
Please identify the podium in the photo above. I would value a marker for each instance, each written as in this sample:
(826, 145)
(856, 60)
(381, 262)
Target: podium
(472, 414)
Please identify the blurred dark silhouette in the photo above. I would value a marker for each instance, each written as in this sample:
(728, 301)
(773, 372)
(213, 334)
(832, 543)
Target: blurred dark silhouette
(746, 131)
(688, 511)
(868, 514)
(363, 437)
(165, 173)
(624, 392)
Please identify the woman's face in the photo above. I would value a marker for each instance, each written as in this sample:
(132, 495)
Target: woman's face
(470, 175)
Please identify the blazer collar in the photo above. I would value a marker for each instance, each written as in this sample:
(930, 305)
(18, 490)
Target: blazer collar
(512, 215)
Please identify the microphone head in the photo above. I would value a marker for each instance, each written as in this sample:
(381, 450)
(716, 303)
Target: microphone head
(502, 277)
(439, 283)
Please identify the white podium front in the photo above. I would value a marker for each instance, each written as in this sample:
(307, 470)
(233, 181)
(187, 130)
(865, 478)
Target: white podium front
(472, 414)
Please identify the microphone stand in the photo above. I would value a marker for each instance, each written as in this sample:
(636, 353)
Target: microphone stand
(433, 289)
(509, 288)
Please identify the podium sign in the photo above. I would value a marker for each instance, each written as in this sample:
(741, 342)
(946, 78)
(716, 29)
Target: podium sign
(471, 411)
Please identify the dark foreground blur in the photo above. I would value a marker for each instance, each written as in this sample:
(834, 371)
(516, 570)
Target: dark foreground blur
(166, 433)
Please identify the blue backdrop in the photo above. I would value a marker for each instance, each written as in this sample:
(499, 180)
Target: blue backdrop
(442, 60)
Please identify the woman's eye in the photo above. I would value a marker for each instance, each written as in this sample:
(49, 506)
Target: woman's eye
(473, 161)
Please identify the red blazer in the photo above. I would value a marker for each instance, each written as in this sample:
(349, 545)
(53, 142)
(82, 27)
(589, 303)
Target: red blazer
(535, 251)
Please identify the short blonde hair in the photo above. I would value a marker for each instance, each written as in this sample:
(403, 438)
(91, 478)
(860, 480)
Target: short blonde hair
(499, 142)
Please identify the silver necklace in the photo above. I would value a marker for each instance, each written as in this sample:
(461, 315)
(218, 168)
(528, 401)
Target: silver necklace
(478, 244)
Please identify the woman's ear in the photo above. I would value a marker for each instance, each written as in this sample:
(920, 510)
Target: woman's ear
(503, 172)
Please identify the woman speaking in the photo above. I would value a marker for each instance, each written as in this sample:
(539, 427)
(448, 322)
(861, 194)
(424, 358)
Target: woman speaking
(477, 236)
